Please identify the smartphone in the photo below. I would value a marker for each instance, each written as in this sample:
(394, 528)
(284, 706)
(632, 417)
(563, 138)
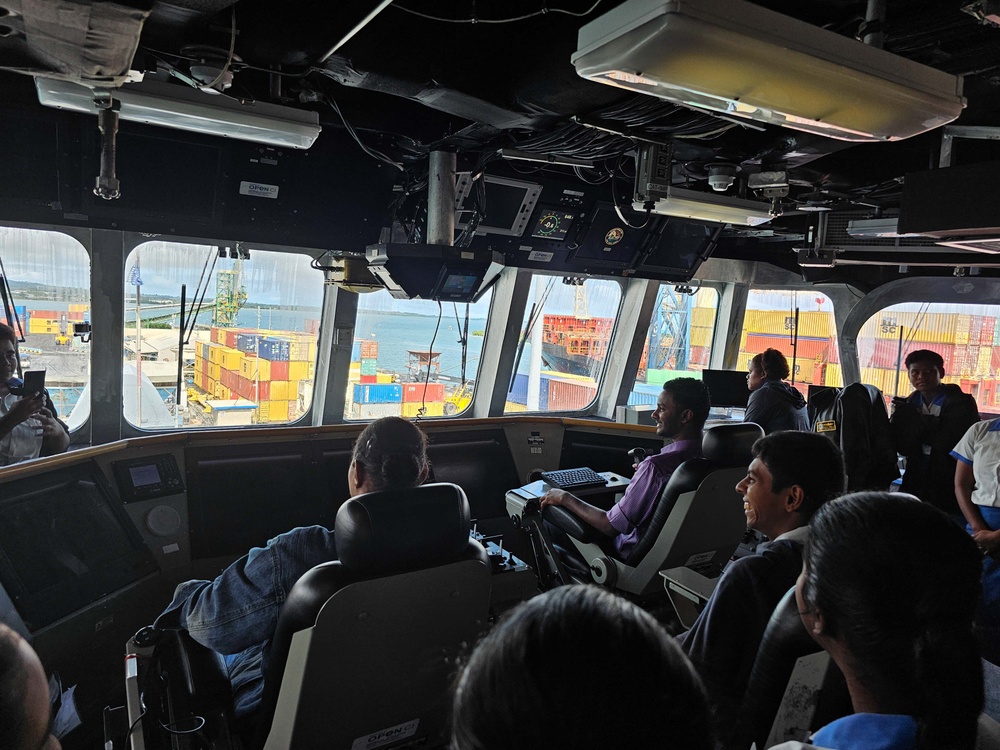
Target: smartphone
(34, 382)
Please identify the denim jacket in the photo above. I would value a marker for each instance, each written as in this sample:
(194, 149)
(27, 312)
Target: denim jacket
(237, 613)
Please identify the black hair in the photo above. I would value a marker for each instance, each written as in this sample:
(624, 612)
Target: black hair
(925, 355)
(807, 459)
(690, 393)
(772, 363)
(7, 334)
(13, 684)
(533, 681)
(393, 452)
(899, 582)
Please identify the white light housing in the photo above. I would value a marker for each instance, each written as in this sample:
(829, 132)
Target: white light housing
(183, 108)
(692, 204)
(749, 62)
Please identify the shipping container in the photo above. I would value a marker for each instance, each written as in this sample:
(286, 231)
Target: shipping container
(519, 391)
(374, 411)
(808, 347)
(298, 370)
(431, 409)
(369, 366)
(247, 342)
(568, 395)
(369, 349)
(280, 390)
(644, 395)
(274, 349)
(884, 353)
(382, 377)
(416, 392)
(368, 379)
(231, 359)
(378, 394)
(278, 370)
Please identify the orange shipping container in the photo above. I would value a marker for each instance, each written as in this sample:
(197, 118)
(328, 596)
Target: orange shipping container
(415, 392)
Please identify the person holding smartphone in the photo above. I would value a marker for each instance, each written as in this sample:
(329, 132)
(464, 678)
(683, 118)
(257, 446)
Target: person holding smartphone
(28, 424)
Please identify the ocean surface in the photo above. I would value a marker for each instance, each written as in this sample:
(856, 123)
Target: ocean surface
(398, 334)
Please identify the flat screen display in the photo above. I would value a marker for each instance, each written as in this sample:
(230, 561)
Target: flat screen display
(552, 224)
(143, 476)
(609, 241)
(66, 541)
(726, 388)
(681, 249)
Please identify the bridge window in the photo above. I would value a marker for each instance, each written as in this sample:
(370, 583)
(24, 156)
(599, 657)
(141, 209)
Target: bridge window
(564, 344)
(48, 280)
(966, 336)
(249, 339)
(799, 324)
(679, 341)
(414, 358)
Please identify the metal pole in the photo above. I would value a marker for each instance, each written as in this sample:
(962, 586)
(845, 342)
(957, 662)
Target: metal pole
(899, 360)
(795, 343)
(441, 198)
(875, 20)
(180, 359)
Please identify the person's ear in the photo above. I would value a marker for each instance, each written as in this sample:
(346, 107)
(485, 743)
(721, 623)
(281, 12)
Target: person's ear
(686, 416)
(794, 499)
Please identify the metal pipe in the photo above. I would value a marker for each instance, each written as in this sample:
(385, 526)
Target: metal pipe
(873, 30)
(107, 185)
(441, 198)
(178, 400)
(361, 24)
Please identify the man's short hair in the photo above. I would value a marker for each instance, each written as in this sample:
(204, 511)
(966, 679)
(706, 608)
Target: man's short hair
(8, 334)
(925, 355)
(807, 459)
(690, 393)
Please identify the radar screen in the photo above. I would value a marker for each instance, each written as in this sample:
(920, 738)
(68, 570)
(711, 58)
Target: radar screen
(552, 224)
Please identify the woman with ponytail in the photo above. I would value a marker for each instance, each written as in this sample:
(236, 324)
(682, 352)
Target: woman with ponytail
(237, 613)
(889, 588)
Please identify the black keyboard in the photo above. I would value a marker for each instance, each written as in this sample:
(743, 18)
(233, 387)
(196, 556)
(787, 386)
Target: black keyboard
(574, 479)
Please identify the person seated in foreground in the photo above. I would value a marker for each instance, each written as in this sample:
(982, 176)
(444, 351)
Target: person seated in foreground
(774, 404)
(926, 426)
(29, 427)
(237, 613)
(791, 476)
(534, 681)
(681, 410)
(896, 615)
(25, 714)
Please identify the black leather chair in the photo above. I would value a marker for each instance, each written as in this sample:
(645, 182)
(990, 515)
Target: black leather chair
(818, 696)
(368, 644)
(698, 513)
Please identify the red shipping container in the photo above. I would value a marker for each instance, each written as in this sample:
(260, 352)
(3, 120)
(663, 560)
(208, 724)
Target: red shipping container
(243, 386)
(808, 347)
(567, 395)
(414, 392)
(228, 379)
(279, 371)
(995, 361)
(883, 353)
(369, 349)
(263, 389)
(369, 379)
(699, 356)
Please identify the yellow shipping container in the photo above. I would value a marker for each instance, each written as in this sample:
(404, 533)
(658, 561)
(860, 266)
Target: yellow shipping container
(79, 307)
(222, 392)
(813, 323)
(215, 354)
(231, 359)
(703, 317)
(381, 377)
(511, 408)
(280, 390)
(312, 370)
(277, 411)
(434, 409)
(701, 336)
(834, 375)
(215, 371)
(298, 370)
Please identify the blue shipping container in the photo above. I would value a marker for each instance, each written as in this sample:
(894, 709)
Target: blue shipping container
(378, 393)
(274, 349)
(519, 393)
(356, 351)
(644, 395)
(247, 342)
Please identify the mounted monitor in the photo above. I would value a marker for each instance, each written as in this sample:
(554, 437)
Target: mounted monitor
(506, 205)
(435, 272)
(681, 249)
(65, 542)
(726, 388)
(606, 240)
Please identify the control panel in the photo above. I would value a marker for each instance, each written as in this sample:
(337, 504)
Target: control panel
(148, 477)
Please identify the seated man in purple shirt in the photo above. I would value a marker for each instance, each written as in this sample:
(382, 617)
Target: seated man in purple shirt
(681, 410)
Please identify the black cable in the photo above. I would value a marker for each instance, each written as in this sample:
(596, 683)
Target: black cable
(128, 734)
(430, 357)
(194, 730)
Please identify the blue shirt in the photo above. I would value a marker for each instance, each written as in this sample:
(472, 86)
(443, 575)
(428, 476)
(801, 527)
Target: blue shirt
(868, 732)
(237, 613)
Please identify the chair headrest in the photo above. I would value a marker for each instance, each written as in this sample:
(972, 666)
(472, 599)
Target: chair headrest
(405, 529)
(730, 444)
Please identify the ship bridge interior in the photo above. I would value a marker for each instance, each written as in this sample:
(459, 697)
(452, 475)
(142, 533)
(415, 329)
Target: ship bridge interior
(442, 210)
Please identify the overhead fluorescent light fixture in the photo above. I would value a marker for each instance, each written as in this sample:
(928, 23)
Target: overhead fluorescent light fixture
(979, 245)
(692, 204)
(749, 62)
(183, 108)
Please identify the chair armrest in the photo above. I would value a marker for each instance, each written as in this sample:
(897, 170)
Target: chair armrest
(572, 525)
(196, 670)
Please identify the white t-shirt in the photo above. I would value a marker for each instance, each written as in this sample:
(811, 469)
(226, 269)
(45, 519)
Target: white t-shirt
(24, 441)
(980, 448)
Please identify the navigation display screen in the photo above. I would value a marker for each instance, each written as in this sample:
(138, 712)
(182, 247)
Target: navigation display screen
(552, 224)
(143, 476)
